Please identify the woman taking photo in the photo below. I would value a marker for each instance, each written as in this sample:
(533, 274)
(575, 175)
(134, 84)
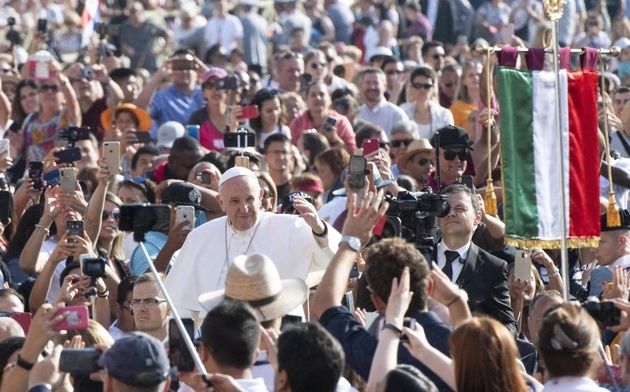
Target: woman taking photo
(322, 118)
(269, 120)
(25, 103)
(423, 108)
(213, 118)
(58, 108)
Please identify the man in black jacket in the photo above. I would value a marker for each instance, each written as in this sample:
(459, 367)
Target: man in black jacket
(481, 275)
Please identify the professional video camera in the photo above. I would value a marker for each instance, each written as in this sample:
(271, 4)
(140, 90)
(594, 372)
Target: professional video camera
(412, 216)
(141, 218)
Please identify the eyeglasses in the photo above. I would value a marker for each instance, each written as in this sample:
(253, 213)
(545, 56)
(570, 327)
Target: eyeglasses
(398, 143)
(438, 56)
(450, 155)
(318, 65)
(393, 72)
(45, 87)
(122, 305)
(114, 214)
(423, 161)
(149, 303)
(418, 86)
(266, 194)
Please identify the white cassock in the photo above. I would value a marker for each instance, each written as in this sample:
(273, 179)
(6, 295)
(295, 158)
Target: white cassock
(204, 259)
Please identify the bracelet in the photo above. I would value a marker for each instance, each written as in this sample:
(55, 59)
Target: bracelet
(24, 364)
(42, 228)
(322, 235)
(392, 327)
(104, 294)
(554, 274)
(453, 301)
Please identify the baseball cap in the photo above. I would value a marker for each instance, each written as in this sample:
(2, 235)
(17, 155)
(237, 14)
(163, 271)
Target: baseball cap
(214, 72)
(168, 132)
(452, 137)
(287, 202)
(624, 223)
(137, 359)
(182, 193)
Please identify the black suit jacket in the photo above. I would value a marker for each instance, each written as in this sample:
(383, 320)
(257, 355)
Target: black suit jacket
(445, 28)
(484, 278)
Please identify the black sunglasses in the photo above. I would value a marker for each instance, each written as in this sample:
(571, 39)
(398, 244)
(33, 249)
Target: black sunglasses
(425, 86)
(423, 161)
(45, 87)
(114, 214)
(450, 155)
(438, 55)
(397, 143)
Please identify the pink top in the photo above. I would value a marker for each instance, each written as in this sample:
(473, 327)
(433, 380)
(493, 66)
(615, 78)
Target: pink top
(344, 128)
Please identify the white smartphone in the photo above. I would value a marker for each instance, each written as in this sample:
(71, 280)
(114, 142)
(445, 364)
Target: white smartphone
(185, 214)
(111, 154)
(68, 178)
(4, 147)
(81, 258)
(507, 32)
(522, 265)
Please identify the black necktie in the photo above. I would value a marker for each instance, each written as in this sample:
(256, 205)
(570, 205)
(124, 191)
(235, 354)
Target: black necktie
(451, 256)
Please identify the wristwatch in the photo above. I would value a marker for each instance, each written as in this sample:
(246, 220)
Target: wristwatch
(353, 242)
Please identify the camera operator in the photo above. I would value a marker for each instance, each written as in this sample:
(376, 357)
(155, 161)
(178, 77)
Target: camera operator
(85, 82)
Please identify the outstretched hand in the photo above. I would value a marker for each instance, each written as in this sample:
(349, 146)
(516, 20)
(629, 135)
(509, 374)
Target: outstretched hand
(360, 223)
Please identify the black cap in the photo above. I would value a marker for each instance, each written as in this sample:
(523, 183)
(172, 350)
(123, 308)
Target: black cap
(452, 136)
(625, 221)
(287, 202)
(183, 194)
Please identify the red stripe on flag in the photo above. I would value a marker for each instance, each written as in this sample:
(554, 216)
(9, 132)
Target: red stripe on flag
(583, 195)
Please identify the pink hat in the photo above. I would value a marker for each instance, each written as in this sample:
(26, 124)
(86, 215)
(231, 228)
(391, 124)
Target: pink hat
(218, 73)
(310, 185)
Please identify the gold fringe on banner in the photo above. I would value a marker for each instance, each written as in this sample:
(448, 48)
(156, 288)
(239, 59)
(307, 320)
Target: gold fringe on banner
(613, 219)
(490, 199)
(590, 242)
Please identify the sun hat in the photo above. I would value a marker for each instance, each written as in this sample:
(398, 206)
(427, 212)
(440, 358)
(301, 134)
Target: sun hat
(144, 119)
(416, 146)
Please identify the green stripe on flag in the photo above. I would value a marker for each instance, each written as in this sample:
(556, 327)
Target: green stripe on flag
(517, 153)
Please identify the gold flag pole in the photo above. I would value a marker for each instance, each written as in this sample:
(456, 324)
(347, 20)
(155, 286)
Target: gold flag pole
(490, 199)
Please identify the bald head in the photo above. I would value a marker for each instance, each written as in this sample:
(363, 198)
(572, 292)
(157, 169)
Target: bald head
(9, 328)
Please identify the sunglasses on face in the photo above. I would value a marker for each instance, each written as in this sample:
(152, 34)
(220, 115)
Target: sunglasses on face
(398, 143)
(438, 56)
(114, 214)
(423, 161)
(45, 87)
(318, 65)
(425, 86)
(450, 155)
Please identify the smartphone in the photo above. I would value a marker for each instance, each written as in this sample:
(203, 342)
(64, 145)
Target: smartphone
(183, 65)
(68, 155)
(522, 265)
(330, 123)
(249, 112)
(4, 147)
(5, 206)
(356, 172)
(239, 139)
(305, 79)
(227, 83)
(407, 322)
(79, 360)
(77, 319)
(178, 352)
(42, 25)
(507, 32)
(24, 319)
(605, 313)
(74, 228)
(370, 145)
(52, 178)
(143, 137)
(465, 180)
(68, 178)
(204, 177)
(36, 173)
(111, 153)
(193, 131)
(185, 214)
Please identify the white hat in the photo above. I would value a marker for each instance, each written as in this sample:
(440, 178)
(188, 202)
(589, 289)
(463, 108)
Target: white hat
(255, 279)
(236, 171)
(168, 132)
(381, 51)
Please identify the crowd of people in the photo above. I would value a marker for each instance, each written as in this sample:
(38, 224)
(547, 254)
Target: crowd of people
(274, 174)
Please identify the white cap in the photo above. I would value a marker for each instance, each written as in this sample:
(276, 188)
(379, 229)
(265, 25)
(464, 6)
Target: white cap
(168, 132)
(236, 171)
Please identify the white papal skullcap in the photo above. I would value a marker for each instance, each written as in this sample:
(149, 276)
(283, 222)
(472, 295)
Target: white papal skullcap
(236, 171)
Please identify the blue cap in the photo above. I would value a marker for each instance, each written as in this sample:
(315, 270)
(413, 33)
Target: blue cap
(137, 359)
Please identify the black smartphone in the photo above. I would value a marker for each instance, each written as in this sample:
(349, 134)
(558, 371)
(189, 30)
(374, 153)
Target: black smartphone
(356, 172)
(227, 83)
(42, 25)
(68, 155)
(239, 139)
(204, 177)
(79, 360)
(330, 123)
(74, 228)
(143, 137)
(178, 352)
(6, 200)
(36, 173)
(183, 65)
(465, 180)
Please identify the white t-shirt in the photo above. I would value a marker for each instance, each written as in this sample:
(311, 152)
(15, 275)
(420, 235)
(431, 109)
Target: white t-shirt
(225, 31)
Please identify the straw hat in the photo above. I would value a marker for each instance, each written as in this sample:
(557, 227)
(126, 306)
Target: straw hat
(255, 279)
(144, 119)
(416, 146)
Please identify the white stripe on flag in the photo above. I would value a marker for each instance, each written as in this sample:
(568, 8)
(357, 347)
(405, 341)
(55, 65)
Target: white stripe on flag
(545, 151)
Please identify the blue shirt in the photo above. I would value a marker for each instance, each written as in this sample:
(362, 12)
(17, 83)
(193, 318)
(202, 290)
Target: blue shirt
(154, 242)
(173, 104)
(359, 345)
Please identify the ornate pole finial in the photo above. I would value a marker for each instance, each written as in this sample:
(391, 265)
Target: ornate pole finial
(554, 9)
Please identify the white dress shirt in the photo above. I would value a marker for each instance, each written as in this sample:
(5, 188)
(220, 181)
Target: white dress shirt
(457, 267)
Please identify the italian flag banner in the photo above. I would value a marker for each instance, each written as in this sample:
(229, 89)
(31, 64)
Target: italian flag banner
(529, 152)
